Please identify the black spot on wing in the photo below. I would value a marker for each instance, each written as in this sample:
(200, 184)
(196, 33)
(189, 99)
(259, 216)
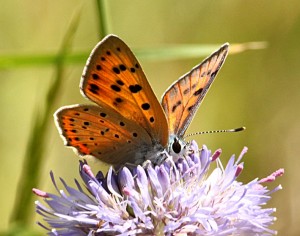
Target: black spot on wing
(186, 91)
(95, 76)
(115, 88)
(94, 88)
(120, 82)
(116, 70)
(176, 105)
(191, 107)
(198, 92)
(122, 67)
(213, 75)
(102, 114)
(135, 88)
(119, 100)
(145, 106)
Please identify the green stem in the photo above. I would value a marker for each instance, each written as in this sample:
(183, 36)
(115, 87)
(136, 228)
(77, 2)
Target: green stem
(102, 18)
(34, 156)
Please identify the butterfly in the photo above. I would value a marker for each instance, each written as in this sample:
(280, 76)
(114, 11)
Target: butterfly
(128, 124)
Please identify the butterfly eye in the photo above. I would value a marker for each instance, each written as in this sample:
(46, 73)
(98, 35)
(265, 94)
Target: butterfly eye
(176, 146)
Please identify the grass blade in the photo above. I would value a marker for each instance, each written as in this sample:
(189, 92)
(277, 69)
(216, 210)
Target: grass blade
(36, 144)
(176, 52)
(179, 52)
(102, 18)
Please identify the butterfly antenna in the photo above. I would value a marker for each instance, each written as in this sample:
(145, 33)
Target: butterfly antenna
(218, 131)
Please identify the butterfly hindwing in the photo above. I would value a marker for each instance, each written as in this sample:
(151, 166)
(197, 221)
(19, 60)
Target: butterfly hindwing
(101, 133)
(114, 79)
(181, 101)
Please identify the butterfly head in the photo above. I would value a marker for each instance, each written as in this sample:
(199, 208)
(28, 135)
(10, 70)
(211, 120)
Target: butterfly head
(176, 147)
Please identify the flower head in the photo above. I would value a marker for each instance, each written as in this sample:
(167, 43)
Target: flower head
(176, 198)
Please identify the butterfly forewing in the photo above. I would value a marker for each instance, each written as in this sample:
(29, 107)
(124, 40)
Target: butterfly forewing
(102, 133)
(113, 78)
(182, 99)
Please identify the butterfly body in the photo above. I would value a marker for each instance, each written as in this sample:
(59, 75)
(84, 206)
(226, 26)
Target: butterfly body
(128, 124)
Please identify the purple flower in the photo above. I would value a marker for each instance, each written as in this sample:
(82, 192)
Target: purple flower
(189, 197)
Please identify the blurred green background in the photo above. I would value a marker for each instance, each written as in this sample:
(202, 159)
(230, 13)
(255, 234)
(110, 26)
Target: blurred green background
(259, 89)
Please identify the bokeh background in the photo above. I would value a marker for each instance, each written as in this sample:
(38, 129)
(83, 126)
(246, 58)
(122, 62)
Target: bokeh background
(259, 89)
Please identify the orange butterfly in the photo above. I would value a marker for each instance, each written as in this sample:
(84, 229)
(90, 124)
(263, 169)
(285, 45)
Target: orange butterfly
(128, 124)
